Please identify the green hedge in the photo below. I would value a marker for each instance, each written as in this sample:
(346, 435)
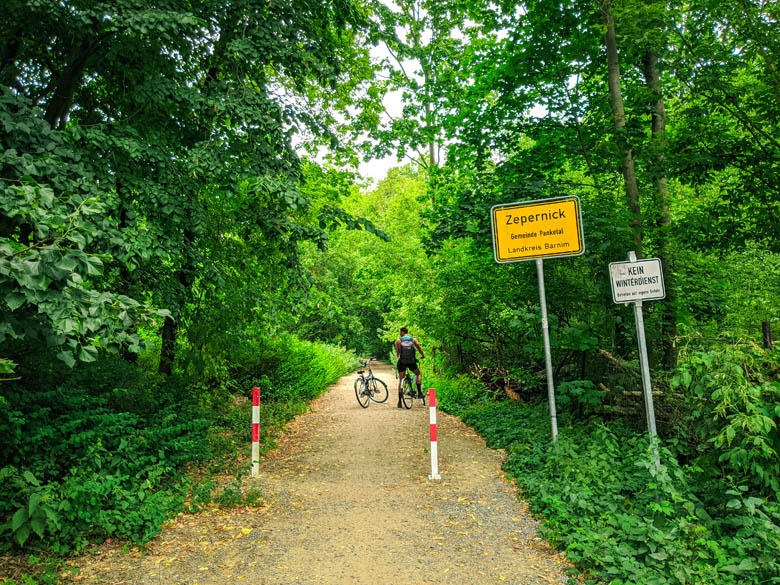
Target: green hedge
(300, 370)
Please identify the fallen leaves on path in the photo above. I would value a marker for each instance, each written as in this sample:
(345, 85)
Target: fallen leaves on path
(347, 502)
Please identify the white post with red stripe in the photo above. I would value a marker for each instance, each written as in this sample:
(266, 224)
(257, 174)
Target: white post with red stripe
(255, 431)
(434, 443)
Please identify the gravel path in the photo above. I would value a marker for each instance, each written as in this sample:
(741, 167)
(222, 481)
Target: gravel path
(348, 502)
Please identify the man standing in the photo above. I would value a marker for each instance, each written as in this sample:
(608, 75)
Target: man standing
(406, 349)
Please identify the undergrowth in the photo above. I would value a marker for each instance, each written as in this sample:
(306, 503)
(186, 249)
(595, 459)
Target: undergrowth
(621, 514)
(109, 450)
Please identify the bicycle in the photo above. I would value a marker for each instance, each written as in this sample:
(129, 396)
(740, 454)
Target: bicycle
(409, 391)
(368, 388)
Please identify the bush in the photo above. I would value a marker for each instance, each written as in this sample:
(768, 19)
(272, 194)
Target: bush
(456, 394)
(734, 409)
(97, 451)
(301, 370)
(619, 516)
(95, 456)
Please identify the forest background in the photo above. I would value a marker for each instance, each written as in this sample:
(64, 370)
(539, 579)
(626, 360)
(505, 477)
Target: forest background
(182, 220)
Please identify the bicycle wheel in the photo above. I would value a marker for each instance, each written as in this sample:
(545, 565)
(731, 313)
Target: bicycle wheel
(378, 390)
(361, 392)
(407, 392)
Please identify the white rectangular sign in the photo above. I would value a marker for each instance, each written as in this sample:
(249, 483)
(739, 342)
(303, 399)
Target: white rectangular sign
(642, 280)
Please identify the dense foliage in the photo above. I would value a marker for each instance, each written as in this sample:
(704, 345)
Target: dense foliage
(663, 119)
(620, 516)
(98, 452)
(147, 160)
(154, 204)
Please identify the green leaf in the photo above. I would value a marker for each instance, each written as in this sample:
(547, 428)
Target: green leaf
(88, 354)
(67, 263)
(52, 516)
(47, 196)
(19, 519)
(7, 366)
(67, 357)
(94, 266)
(743, 567)
(22, 534)
(14, 300)
(32, 267)
(30, 478)
(35, 501)
(38, 524)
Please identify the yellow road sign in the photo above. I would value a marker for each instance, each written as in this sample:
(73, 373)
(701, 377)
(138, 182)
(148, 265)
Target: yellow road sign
(537, 229)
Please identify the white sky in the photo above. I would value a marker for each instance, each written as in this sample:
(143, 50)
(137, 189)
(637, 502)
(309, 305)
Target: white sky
(377, 169)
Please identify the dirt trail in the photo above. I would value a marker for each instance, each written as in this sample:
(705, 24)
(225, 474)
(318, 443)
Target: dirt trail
(348, 501)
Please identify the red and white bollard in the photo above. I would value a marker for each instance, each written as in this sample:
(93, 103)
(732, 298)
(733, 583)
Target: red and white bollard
(255, 431)
(434, 444)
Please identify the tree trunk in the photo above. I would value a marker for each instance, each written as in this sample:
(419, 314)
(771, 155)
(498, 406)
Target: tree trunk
(430, 125)
(661, 196)
(170, 328)
(766, 330)
(168, 347)
(619, 119)
(68, 80)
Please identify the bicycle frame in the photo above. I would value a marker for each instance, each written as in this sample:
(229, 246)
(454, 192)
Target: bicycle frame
(369, 386)
(362, 371)
(410, 378)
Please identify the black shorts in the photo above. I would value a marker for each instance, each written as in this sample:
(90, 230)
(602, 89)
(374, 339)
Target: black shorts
(403, 366)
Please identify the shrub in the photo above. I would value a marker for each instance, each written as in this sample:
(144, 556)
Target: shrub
(97, 451)
(94, 456)
(734, 410)
(620, 513)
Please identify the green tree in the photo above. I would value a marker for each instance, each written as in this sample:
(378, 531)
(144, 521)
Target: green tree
(183, 117)
(366, 287)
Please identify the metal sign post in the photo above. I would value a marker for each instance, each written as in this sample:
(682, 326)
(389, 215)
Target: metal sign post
(532, 230)
(547, 352)
(633, 282)
(645, 368)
